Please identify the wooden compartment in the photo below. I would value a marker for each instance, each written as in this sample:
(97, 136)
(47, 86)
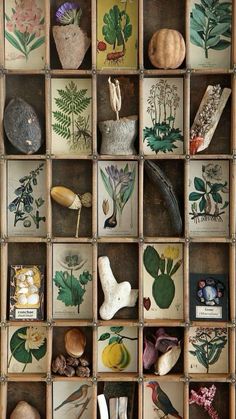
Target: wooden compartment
(124, 389)
(33, 393)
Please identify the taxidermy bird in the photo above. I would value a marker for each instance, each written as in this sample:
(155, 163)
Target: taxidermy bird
(162, 401)
(78, 396)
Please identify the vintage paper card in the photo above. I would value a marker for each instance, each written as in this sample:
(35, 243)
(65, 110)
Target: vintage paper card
(208, 400)
(26, 198)
(208, 350)
(208, 297)
(117, 198)
(161, 398)
(27, 348)
(163, 116)
(210, 33)
(208, 199)
(117, 34)
(117, 349)
(24, 34)
(163, 281)
(71, 116)
(72, 281)
(72, 400)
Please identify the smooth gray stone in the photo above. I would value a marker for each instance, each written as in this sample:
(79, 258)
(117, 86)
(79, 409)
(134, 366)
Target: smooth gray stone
(22, 126)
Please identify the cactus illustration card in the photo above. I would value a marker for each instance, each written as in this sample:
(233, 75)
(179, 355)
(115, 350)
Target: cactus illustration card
(163, 281)
(163, 115)
(208, 350)
(27, 347)
(26, 198)
(208, 297)
(71, 116)
(210, 33)
(162, 399)
(117, 349)
(117, 198)
(72, 400)
(208, 200)
(24, 34)
(72, 281)
(117, 34)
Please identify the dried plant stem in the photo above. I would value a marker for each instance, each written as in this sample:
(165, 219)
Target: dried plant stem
(85, 404)
(78, 221)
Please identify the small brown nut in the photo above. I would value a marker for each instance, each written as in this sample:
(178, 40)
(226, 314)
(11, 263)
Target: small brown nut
(83, 372)
(75, 342)
(84, 361)
(69, 371)
(73, 362)
(59, 364)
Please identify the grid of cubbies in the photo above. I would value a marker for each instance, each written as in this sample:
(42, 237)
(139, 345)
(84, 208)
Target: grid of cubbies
(6, 242)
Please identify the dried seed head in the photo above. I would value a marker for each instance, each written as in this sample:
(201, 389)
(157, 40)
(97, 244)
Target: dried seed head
(59, 364)
(83, 371)
(73, 362)
(69, 371)
(86, 199)
(84, 362)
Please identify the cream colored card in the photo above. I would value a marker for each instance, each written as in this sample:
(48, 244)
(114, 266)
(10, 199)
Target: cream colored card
(208, 200)
(163, 115)
(24, 34)
(208, 350)
(174, 392)
(72, 281)
(117, 34)
(163, 281)
(210, 33)
(117, 198)
(26, 198)
(71, 116)
(72, 400)
(117, 349)
(27, 347)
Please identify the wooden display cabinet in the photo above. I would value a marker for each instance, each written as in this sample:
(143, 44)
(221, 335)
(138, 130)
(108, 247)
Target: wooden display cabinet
(154, 225)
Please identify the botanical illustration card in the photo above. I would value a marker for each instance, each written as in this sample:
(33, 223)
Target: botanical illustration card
(163, 399)
(209, 198)
(117, 34)
(117, 349)
(72, 400)
(208, 350)
(71, 116)
(117, 198)
(26, 198)
(72, 281)
(163, 115)
(208, 297)
(210, 33)
(24, 34)
(163, 281)
(27, 348)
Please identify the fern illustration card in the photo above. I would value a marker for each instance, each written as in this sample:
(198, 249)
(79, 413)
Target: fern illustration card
(117, 198)
(170, 393)
(208, 350)
(117, 349)
(210, 33)
(72, 400)
(71, 116)
(117, 34)
(72, 281)
(163, 281)
(26, 198)
(24, 34)
(27, 348)
(163, 115)
(208, 200)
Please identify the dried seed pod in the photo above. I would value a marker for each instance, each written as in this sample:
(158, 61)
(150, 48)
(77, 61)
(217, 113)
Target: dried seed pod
(105, 206)
(86, 199)
(59, 364)
(83, 372)
(69, 371)
(65, 197)
(73, 362)
(75, 342)
(84, 361)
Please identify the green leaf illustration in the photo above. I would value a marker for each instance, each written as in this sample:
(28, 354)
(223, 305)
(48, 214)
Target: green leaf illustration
(117, 27)
(222, 44)
(151, 260)
(37, 44)
(217, 198)
(85, 277)
(202, 204)
(116, 329)
(195, 196)
(107, 183)
(70, 291)
(114, 339)
(14, 42)
(104, 336)
(199, 184)
(17, 347)
(163, 291)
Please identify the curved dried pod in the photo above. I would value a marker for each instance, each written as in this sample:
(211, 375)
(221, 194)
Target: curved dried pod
(167, 361)
(24, 410)
(75, 342)
(167, 49)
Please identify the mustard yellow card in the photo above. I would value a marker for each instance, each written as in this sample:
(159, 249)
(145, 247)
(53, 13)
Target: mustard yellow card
(117, 34)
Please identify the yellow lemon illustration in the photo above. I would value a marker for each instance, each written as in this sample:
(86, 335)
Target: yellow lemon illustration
(116, 356)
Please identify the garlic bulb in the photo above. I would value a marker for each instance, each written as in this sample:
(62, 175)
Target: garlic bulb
(22, 299)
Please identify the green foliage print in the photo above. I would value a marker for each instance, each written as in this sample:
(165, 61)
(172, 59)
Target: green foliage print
(70, 123)
(163, 103)
(117, 28)
(210, 25)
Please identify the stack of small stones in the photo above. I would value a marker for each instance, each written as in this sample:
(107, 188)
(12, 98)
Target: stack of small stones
(69, 366)
(208, 110)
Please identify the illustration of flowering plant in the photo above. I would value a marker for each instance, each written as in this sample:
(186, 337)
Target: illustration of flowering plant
(119, 185)
(26, 343)
(209, 194)
(208, 344)
(204, 397)
(161, 268)
(25, 24)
